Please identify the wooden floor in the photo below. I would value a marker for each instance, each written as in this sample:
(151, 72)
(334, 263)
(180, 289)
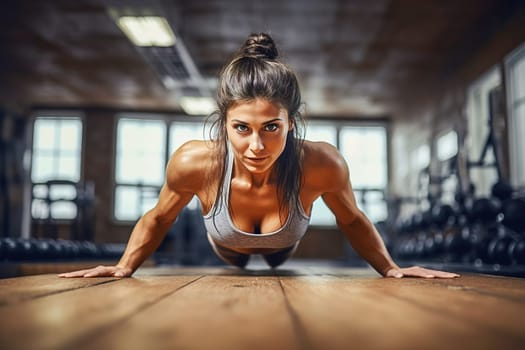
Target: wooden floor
(297, 307)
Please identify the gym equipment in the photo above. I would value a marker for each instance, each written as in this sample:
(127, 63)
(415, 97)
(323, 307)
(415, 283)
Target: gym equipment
(81, 226)
(517, 251)
(31, 250)
(514, 214)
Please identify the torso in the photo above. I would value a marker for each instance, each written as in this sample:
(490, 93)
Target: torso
(263, 215)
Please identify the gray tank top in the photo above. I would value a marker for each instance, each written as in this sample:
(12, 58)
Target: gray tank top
(222, 230)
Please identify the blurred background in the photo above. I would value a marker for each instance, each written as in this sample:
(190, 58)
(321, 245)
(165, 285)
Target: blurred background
(425, 99)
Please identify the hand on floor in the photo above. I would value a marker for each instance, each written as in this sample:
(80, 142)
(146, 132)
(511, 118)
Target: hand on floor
(100, 271)
(417, 271)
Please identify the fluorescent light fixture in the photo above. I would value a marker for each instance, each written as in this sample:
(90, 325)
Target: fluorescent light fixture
(169, 82)
(147, 30)
(197, 105)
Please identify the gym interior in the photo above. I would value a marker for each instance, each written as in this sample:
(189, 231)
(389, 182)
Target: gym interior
(424, 99)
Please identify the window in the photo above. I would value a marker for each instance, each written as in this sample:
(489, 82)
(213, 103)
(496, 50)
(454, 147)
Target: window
(321, 215)
(420, 160)
(447, 145)
(142, 153)
(139, 166)
(478, 130)
(57, 151)
(447, 148)
(365, 150)
(515, 70)
(181, 132)
(141, 158)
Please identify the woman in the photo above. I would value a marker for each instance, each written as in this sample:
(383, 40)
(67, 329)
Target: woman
(257, 179)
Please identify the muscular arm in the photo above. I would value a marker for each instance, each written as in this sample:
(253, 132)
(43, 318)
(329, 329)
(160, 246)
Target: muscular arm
(150, 230)
(361, 233)
(184, 177)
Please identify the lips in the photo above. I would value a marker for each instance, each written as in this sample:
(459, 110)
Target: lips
(256, 159)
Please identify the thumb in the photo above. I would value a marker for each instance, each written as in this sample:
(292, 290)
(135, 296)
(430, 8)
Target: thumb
(394, 273)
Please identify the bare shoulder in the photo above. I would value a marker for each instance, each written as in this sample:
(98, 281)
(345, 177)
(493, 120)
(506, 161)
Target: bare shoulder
(324, 166)
(190, 165)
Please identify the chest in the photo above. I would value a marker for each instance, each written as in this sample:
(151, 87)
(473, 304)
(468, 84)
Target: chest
(256, 210)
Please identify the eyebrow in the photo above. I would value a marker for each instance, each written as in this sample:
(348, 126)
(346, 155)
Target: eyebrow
(265, 123)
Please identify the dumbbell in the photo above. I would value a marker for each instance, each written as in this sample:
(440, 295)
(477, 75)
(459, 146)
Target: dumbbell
(514, 214)
(498, 250)
(517, 251)
(458, 243)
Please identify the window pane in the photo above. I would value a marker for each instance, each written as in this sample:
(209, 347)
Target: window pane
(321, 214)
(56, 149)
(43, 166)
(141, 151)
(56, 155)
(69, 131)
(321, 132)
(515, 66)
(126, 203)
(519, 144)
(518, 77)
(129, 136)
(68, 168)
(181, 132)
(317, 131)
(131, 202)
(44, 134)
(140, 160)
(364, 148)
(374, 205)
(447, 145)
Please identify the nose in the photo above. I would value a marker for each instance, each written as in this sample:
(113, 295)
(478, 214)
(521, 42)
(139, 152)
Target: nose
(256, 143)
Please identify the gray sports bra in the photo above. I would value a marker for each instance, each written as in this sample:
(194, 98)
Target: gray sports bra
(222, 230)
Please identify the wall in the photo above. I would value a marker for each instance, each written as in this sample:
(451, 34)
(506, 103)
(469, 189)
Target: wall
(444, 107)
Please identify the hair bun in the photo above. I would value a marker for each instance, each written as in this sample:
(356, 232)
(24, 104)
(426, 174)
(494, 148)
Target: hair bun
(260, 46)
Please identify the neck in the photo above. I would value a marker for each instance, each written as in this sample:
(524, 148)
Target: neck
(253, 180)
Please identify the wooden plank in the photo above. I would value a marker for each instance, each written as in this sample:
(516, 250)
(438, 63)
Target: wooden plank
(393, 314)
(463, 299)
(503, 287)
(59, 320)
(13, 290)
(216, 312)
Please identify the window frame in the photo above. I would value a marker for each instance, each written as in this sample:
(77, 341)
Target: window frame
(339, 124)
(52, 114)
(168, 120)
(512, 104)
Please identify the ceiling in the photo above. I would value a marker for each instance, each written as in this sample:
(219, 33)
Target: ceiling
(353, 58)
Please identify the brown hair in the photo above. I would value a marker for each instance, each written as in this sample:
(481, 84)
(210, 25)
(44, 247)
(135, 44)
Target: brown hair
(255, 71)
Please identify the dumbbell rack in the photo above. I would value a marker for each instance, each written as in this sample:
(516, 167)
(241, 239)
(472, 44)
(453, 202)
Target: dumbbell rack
(29, 256)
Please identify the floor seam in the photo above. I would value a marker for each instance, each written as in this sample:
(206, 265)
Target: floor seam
(301, 334)
(100, 330)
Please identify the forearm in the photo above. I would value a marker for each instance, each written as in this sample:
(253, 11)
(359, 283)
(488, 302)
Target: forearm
(145, 238)
(367, 242)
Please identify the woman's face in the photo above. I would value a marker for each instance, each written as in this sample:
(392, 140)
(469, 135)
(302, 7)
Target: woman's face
(257, 131)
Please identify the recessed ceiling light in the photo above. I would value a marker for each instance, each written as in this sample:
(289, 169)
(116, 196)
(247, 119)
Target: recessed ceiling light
(195, 105)
(147, 30)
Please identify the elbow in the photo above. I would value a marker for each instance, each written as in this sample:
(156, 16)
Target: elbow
(350, 221)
